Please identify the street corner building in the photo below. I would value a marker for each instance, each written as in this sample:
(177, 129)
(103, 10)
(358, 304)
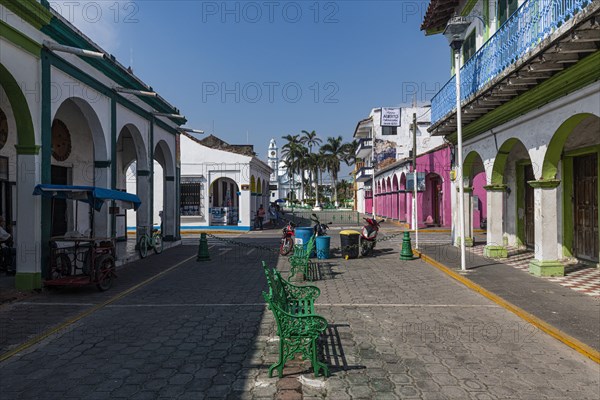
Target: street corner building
(222, 185)
(71, 114)
(385, 175)
(530, 100)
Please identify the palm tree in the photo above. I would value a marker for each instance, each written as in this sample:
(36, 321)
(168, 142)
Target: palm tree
(310, 139)
(291, 154)
(350, 153)
(316, 164)
(301, 166)
(334, 153)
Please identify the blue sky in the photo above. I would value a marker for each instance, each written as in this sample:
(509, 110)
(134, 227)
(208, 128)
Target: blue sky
(345, 58)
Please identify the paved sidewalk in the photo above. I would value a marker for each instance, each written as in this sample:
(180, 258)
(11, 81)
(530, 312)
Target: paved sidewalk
(574, 313)
(398, 330)
(579, 277)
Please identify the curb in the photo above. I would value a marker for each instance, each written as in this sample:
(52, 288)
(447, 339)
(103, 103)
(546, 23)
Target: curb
(556, 333)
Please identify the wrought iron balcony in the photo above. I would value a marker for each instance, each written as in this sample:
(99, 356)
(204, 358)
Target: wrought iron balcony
(364, 174)
(365, 146)
(523, 38)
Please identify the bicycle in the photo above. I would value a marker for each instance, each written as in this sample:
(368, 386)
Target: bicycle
(147, 242)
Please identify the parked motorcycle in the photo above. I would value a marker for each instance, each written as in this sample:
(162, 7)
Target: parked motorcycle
(287, 241)
(368, 236)
(319, 229)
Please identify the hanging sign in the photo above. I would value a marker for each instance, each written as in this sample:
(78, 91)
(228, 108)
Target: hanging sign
(390, 116)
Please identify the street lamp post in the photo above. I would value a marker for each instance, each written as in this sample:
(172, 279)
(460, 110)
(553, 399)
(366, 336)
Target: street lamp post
(455, 32)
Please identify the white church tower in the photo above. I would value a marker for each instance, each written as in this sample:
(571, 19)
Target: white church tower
(273, 161)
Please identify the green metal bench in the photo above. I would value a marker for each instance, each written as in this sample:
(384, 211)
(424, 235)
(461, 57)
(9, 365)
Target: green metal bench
(298, 327)
(300, 260)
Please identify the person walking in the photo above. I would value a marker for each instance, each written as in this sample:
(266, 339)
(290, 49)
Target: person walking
(273, 215)
(260, 215)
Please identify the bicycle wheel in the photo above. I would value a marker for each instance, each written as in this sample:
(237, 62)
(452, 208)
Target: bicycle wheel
(105, 269)
(143, 245)
(158, 243)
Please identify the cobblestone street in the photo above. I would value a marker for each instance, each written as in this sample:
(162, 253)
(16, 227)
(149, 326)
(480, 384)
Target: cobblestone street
(397, 330)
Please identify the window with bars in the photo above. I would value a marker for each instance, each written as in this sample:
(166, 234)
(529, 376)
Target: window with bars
(389, 130)
(191, 196)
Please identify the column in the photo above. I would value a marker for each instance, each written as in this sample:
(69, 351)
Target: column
(495, 222)
(169, 209)
(468, 201)
(545, 262)
(28, 227)
(102, 218)
(143, 219)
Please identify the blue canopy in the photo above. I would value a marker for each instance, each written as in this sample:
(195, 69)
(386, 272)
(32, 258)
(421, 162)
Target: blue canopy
(94, 196)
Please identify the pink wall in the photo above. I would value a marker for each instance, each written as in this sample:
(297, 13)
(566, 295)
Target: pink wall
(368, 203)
(479, 191)
(437, 162)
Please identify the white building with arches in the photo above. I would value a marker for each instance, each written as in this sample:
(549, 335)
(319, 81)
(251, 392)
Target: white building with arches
(63, 121)
(530, 93)
(222, 185)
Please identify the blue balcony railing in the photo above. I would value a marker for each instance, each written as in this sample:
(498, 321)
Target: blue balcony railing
(534, 21)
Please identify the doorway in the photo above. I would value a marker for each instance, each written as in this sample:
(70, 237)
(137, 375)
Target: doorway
(585, 214)
(60, 222)
(529, 207)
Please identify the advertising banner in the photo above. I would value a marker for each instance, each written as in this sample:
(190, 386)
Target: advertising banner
(390, 116)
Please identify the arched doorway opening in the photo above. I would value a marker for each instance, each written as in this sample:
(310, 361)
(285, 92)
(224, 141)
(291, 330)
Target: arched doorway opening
(476, 180)
(224, 202)
(164, 204)
(573, 156)
(395, 199)
(432, 200)
(388, 198)
(132, 176)
(8, 162)
(403, 202)
(513, 169)
(78, 144)
(19, 168)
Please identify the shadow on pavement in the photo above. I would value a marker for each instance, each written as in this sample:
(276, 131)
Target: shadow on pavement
(332, 352)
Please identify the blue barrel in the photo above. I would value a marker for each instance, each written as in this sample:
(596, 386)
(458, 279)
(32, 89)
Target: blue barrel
(323, 243)
(303, 235)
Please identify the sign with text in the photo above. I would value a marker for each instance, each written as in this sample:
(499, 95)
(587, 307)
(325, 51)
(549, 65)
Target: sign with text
(390, 116)
(410, 182)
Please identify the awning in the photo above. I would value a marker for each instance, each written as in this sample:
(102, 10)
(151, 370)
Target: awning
(92, 195)
(437, 15)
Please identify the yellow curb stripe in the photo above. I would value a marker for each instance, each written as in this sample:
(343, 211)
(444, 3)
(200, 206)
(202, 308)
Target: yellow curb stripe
(60, 327)
(556, 333)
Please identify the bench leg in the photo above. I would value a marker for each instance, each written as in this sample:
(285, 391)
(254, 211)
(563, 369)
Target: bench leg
(279, 364)
(316, 364)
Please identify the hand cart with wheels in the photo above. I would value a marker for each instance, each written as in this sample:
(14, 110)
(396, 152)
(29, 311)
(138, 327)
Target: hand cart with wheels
(80, 261)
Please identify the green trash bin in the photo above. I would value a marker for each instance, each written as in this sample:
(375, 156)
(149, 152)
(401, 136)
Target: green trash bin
(350, 244)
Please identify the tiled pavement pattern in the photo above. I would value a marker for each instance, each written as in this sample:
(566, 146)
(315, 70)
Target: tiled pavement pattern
(397, 330)
(581, 278)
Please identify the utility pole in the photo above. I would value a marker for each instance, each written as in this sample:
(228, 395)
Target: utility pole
(414, 162)
(373, 176)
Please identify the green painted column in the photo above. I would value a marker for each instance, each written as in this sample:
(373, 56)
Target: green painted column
(46, 171)
(546, 261)
(495, 228)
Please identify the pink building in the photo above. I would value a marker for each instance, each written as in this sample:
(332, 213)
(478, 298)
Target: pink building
(394, 191)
